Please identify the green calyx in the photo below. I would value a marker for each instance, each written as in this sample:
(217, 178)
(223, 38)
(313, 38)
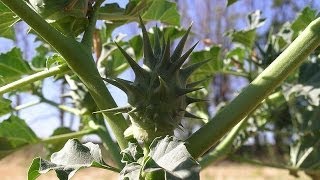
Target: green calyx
(157, 97)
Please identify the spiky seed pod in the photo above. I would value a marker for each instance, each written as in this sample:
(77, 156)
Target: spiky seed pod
(157, 97)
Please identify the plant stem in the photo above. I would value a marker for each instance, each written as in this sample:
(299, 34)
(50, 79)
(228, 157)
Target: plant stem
(88, 34)
(67, 136)
(27, 105)
(80, 61)
(33, 78)
(224, 147)
(106, 139)
(62, 107)
(256, 91)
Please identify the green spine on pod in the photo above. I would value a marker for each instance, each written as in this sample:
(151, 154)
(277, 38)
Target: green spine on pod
(157, 96)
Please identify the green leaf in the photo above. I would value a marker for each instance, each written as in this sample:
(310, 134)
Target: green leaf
(7, 20)
(208, 69)
(168, 159)
(69, 159)
(55, 59)
(15, 133)
(5, 106)
(172, 157)
(238, 54)
(33, 172)
(230, 2)
(244, 37)
(12, 66)
(39, 61)
(159, 10)
(303, 20)
(163, 11)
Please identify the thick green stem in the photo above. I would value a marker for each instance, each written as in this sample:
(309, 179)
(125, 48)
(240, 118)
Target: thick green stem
(33, 78)
(257, 90)
(80, 61)
(67, 136)
(224, 147)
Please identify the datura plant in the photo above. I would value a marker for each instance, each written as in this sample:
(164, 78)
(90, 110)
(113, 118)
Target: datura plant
(158, 95)
(68, 16)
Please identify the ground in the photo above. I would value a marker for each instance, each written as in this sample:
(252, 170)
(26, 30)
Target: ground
(16, 165)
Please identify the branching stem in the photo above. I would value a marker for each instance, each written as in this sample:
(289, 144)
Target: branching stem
(256, 91)
(33, 78)
(79, 60)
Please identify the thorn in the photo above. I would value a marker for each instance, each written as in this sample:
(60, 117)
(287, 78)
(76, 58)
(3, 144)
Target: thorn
(165, 60)
(115, 110)
(163, 43)
(186, 72)
(124, 85)
(190, 100)
(194, 84)
(147, 49)
(178, 50)
(162, 88)
(129, 86)
(115, 83)
(133, 110)
(157, 46)
(181, 92)
(189, 115)
(138, 71)
(177, 64)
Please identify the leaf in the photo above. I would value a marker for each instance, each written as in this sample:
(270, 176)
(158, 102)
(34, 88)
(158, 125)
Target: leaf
(55, 59)
(168, 159)
(7, 20)
(69, 159)
(309, 73)
(237, 53)
(57, 145)
(39, 61)
(159, 10)
(131, 171)
(172, 156)
(255, 20)
(163, 11)
(308, 86)
(12, 66)
(244, 37)
(305, 17)
(208, 69)
(14, 134)
(230, 2)
(131, 154)
(5, 106)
